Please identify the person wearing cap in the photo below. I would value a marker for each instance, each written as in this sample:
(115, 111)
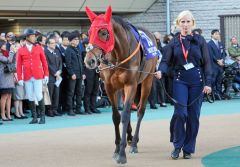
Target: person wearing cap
(32, 72)
(74, 67)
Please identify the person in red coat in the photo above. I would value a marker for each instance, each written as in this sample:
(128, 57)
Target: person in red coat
(32, 72)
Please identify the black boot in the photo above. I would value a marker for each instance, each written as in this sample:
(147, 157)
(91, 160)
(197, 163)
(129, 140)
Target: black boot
(34, 112)
(42, 112)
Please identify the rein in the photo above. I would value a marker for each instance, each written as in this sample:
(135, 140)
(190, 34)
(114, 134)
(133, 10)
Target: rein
(209, 97)
(112, 66)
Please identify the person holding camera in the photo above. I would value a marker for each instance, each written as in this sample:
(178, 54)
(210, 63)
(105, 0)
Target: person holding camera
(188, 55)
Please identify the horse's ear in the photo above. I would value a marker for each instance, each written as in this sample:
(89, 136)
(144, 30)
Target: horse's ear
(90, 13)
(108, 14)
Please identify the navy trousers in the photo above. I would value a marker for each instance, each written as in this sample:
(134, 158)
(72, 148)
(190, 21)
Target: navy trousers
(184, 125)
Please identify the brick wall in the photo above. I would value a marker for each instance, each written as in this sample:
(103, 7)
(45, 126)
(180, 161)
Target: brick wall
(206, 13)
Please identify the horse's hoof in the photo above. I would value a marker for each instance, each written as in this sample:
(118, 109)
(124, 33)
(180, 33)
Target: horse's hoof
(121, 159)
(133, 150)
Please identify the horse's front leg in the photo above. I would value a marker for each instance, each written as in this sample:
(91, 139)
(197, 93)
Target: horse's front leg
(125, 118)
(115, 117)
(116, 120)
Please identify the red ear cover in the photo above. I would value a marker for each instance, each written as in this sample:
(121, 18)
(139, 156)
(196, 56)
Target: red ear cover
(108, 14)
(90, 13)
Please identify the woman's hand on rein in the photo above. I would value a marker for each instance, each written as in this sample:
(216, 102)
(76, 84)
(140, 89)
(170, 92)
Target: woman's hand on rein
(207, 89)
(158, 74)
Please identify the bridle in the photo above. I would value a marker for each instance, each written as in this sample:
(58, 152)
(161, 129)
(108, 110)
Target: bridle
(102, 58)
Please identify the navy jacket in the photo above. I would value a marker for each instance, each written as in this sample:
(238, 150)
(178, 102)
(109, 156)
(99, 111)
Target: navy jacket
(215, 52)
(73, 60)
(198, 55)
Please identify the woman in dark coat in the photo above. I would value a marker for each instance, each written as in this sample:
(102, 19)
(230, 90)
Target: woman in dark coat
(6, 82)
(188, 55)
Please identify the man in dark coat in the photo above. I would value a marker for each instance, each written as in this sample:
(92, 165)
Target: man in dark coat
(91, 86)
(217, 54)
(74, 67)
(55, 69)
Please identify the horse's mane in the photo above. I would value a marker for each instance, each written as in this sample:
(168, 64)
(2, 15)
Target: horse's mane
(120, 21)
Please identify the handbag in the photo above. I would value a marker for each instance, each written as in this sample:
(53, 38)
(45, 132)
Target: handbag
(10, 68)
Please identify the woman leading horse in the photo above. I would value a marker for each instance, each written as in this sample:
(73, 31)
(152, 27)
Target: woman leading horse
(116, 51)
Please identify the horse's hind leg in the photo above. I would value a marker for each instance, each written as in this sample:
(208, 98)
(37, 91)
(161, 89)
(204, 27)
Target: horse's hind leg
(129, 133)
(145, 90)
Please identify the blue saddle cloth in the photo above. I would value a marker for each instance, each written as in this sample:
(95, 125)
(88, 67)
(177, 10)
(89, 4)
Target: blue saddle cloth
(149, 49)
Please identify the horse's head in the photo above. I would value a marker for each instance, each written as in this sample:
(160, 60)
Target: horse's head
(101, 37)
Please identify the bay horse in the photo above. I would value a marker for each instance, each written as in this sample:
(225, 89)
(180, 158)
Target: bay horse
(114, 49)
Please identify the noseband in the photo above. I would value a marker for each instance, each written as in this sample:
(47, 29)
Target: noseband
(101, 57)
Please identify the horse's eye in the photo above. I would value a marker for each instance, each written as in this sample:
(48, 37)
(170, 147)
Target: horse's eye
(103, 34)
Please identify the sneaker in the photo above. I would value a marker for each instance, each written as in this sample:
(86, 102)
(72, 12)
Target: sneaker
(175, 153)
(186, 155)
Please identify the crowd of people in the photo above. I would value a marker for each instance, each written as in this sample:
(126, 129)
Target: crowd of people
(51, 78)
(46, 74)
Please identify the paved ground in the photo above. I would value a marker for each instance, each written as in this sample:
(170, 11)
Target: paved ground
(88, 141)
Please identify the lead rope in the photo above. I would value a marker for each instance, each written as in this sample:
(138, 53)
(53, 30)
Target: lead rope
(210, 98)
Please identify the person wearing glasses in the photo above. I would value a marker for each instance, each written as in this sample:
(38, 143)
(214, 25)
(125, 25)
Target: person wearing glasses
(188, 55)
(55, 69)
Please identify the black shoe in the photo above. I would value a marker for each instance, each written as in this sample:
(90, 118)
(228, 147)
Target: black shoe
(24, 117)
(16, 117)
(55, 113)
(96, 111)
(1, 123)
(42, 120)
(5, 120)
(163, 105)
(34, 121)
(50, 113)
(153, 106)
(186, 155)
(71, 113)
(175, 153)
(80, 112)
(87, 112)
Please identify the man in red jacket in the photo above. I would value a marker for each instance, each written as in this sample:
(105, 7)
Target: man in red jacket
(32, 71)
